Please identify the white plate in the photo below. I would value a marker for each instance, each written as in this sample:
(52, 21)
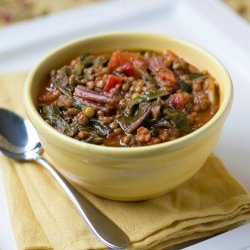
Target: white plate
(210, 24)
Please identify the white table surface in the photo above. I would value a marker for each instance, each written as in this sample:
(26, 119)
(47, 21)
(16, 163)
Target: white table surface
(210, 24)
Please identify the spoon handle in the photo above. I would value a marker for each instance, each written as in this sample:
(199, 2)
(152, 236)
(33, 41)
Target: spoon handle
(105, 229)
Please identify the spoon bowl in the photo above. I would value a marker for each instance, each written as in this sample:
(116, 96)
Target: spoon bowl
(18, 138)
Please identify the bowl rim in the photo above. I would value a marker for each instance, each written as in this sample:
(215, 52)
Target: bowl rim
(79, 146)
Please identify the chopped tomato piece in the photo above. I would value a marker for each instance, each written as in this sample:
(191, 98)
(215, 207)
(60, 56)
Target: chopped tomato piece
(125, 62)
(112, 81)
(167, 75)
(179, 100)
(49, 96)
(129, 69)
(119, 58)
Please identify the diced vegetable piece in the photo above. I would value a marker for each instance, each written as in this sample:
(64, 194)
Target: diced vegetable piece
(94, 140)
(153, 94)
(49, 96)
(169, 57)
(156, 111)
(145, 97)
(52, 115)
(71, 131)
(88, 61)
(66, 91)
(146, 77)
(81, 91)
(82, 119)
(164, 122)
(87, 72)
(62, 82)
(49, 111)
(194, 75)
(64, 101)
(101, 61)
(78, 68)
(94, 128)
(129, 123)
(124, 61)
(166, 75)
(163, 75)
(179, 100)
(79, 102)
(180, 65)
(98, 127)
(62, 77)
(179, 119)
(185, 87)
(158, 68)
(211, 90)
(156, 63)
(112, 81)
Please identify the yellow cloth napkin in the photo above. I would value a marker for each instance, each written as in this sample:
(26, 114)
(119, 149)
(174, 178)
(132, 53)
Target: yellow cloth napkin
(212, 201)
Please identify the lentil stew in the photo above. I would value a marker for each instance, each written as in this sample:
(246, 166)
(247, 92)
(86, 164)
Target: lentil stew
(128, 98)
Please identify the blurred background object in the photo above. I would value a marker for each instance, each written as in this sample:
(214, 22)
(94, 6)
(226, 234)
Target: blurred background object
(12, 11)
(241, 6)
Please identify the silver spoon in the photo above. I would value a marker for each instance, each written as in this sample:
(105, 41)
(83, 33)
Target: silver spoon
(19, 141)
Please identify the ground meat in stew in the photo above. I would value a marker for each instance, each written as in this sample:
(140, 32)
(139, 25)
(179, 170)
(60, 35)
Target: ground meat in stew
(128, 98)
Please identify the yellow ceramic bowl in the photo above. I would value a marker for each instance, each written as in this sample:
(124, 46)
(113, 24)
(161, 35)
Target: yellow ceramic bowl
(129, 173)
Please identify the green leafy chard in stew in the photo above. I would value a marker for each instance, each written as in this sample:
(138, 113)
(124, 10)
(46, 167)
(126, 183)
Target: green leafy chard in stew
(128, 98)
